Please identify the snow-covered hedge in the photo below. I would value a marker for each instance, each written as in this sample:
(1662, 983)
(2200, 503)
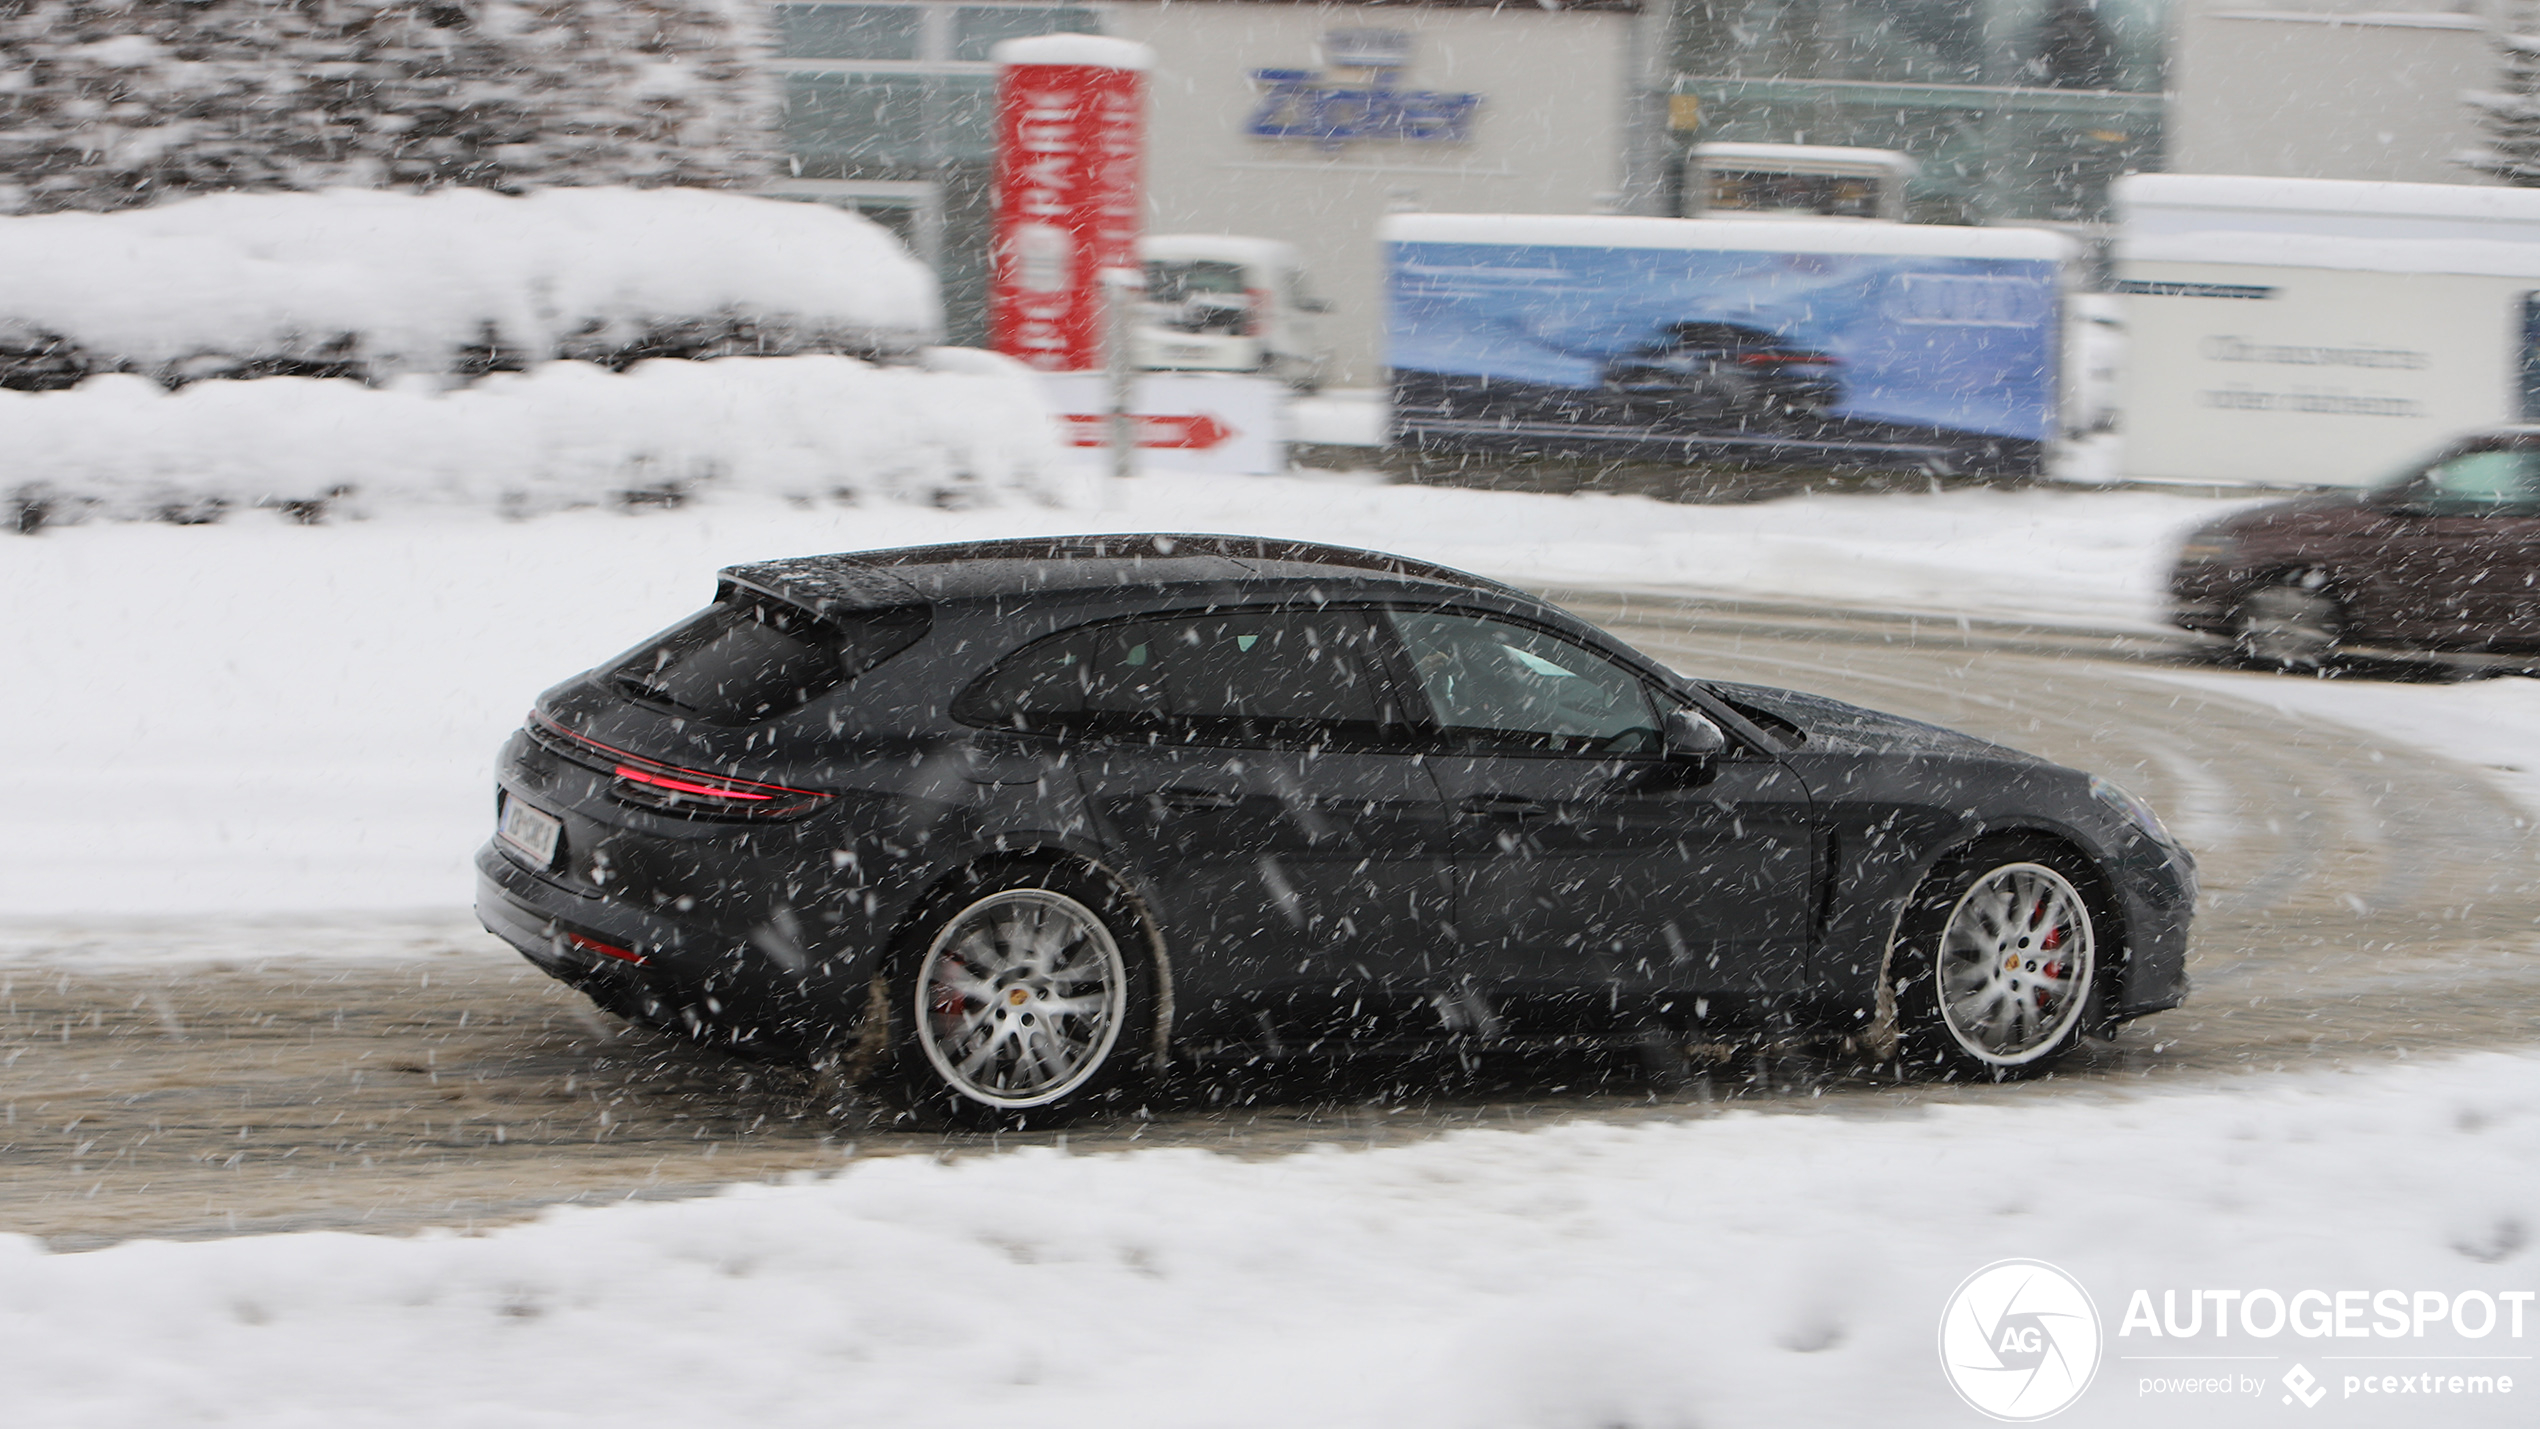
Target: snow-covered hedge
(118, 103)
(374, 284)
(960, 426)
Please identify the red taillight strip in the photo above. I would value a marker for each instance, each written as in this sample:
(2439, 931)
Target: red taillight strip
(684, 787)
(642, 770)
(606, 950)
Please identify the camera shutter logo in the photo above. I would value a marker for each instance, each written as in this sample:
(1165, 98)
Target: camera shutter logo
(2019, 1340)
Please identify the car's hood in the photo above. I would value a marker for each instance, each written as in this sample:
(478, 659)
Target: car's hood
(1834, 723)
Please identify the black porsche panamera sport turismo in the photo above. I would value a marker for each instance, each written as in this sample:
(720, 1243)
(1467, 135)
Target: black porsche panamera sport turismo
(1015, 822)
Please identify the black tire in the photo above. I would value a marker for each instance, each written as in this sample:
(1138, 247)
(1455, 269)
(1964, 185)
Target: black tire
(2294, 624)
(1998, 961)
(1021, 998)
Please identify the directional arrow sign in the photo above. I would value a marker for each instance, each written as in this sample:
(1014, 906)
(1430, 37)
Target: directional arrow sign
(1196, 433)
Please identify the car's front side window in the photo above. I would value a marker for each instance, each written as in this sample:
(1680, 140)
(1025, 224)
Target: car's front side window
(1496, 684)
(1223, 677)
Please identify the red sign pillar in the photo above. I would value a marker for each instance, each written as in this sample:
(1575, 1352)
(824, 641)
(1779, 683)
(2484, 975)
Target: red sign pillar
(1071, 139)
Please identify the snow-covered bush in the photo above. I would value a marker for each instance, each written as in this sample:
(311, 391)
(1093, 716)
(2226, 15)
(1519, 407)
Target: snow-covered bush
(374, 284)
(112, 103)
(959, 426)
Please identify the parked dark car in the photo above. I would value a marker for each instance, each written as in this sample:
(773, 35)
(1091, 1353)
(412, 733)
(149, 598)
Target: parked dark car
(1711, 370)
(2446, 558)
(1018, 820)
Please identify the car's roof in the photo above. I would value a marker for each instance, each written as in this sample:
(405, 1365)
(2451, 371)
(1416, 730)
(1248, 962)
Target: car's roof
(1054, 565)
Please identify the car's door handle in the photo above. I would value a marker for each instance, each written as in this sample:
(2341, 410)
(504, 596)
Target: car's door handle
(1505, 806)
(1192, 801)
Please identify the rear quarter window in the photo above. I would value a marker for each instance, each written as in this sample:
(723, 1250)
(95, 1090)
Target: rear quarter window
(745, 659)
(1218, 677)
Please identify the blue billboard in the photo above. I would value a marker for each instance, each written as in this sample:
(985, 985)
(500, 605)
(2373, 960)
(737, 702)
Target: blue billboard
(1851, 344)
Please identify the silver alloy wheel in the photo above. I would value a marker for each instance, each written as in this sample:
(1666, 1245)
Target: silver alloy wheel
(2016, 960)
(2288, 626)
(1020, 998)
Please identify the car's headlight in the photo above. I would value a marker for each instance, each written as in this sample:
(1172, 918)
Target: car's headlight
(2205, 548)
(2135, 810)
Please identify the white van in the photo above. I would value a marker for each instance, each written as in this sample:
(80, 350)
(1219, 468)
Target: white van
(1220, 303)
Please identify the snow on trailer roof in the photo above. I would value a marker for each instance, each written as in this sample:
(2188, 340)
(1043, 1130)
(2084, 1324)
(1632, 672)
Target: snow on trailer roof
(1806, 158)
(2202, 203)
(1228, 247)
(2469, 257)
(2329, 223)
(1798, 235)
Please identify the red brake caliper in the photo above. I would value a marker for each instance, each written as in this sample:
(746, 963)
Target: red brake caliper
(948, 1001)
(2054, 939)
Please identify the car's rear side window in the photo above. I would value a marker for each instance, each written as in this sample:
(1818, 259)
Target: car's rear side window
(745, 659)
(1217, 677)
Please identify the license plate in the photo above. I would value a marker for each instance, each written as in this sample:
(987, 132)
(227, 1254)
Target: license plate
(530, 830)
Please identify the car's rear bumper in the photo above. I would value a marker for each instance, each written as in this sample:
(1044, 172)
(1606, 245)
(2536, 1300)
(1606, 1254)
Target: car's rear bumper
(646, 965)
(565, 933)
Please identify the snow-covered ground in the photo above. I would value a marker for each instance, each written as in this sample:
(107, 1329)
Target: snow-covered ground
(2490, 725)
(256, 716)
(219, 727)
(1739, 1270)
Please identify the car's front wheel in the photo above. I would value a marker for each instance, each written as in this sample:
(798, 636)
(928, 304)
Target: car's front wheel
(1995, 961)
(1026, 997)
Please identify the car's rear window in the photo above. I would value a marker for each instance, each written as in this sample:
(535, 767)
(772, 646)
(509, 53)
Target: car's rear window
(745, 659)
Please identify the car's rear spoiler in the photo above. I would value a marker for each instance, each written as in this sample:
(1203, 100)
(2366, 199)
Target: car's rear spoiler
(823, 585)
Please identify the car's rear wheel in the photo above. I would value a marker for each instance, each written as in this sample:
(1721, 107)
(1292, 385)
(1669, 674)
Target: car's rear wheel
(1995, 962)
(2290, 624)
(1026, 996)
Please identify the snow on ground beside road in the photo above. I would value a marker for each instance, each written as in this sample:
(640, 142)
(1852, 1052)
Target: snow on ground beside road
(1746, 1269)
(2491, 725)
(256, 717)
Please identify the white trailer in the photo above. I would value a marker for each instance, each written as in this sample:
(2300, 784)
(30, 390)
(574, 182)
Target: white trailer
(2320, 332)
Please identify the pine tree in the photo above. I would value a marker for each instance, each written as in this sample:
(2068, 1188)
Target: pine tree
(2511, 113)
(110, 103)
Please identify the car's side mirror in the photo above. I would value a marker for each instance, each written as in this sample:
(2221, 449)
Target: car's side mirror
(1691, 734)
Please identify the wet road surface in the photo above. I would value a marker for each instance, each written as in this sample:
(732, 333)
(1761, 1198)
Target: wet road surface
(2363, 900)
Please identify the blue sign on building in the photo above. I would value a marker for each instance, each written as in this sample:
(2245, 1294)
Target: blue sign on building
(1331, 112)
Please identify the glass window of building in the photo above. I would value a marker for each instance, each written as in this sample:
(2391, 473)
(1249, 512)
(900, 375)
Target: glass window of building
(890, 109)
(2015, 109)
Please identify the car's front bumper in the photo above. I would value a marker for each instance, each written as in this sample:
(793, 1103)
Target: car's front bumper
(2157, 896)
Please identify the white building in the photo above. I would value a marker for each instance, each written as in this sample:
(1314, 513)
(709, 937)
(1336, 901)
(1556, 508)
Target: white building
(2328, 89)
(1305, 123)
